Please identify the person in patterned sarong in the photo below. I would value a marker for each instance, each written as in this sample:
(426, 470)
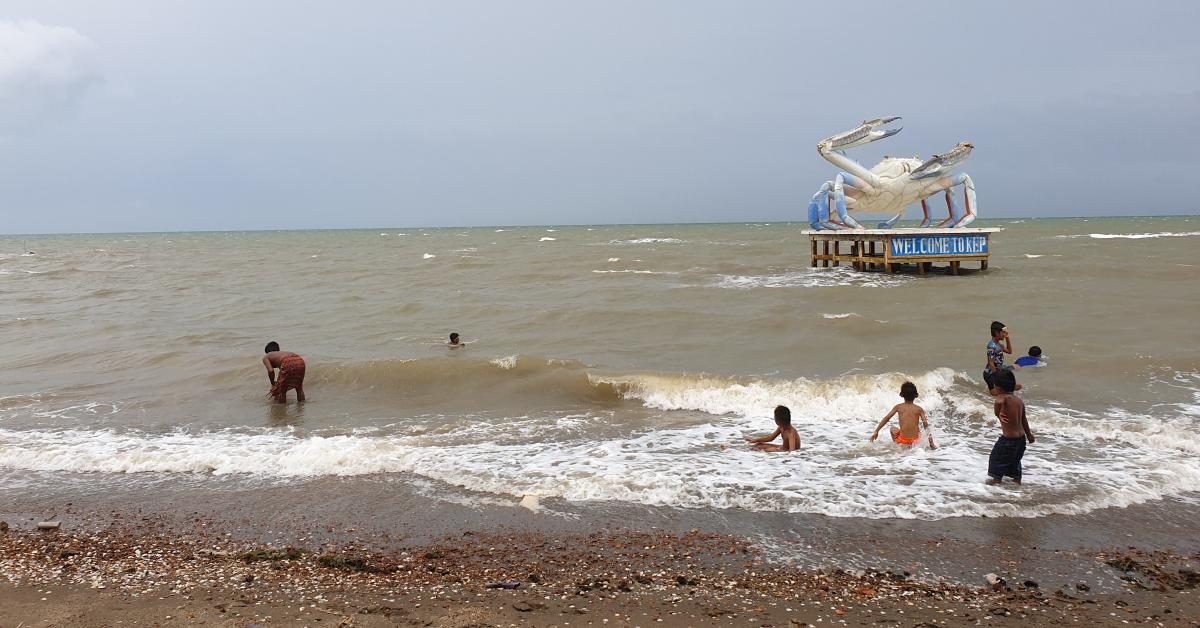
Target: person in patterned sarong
(291, 372)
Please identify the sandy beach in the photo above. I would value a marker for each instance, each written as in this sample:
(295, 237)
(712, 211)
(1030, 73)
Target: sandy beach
(222, 561)
(147, 576)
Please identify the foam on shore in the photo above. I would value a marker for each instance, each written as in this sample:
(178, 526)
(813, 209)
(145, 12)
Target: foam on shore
(697, 458)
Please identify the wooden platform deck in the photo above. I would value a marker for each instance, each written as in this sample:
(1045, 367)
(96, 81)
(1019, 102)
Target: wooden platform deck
(889, 250)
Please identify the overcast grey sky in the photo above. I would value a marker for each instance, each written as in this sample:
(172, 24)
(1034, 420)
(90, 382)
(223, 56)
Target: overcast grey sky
(150, 115)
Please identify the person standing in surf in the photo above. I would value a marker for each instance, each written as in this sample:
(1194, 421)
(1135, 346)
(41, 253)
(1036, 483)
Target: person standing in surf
(996, 348)
(291, 372)
(1005, 459)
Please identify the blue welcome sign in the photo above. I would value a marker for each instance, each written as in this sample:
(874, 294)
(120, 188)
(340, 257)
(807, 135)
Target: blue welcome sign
(938, 245)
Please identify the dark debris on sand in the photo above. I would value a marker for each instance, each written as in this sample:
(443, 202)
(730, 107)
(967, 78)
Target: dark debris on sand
(680, 579)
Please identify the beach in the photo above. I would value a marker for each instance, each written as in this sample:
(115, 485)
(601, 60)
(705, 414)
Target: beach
(610, 378)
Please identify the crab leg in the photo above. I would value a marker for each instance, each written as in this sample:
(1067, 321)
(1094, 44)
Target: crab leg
(818, 209)
(890, 222)
(958, 216)
(839, 196)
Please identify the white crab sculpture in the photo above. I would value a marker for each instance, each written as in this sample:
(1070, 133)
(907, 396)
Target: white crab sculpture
(893, 184)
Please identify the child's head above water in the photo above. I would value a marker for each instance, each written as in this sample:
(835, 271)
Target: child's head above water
(783, 416)
(454, 338)
(908, 390)
(1006, 381)
(1035, 351)
(997, 327)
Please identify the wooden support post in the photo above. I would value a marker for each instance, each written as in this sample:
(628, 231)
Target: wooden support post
(825, 262)
(920, 268)
(983, 265)
(954, 267)
(812, 242)
(837, 250)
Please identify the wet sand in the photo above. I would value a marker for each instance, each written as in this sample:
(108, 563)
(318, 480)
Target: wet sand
(332, 553)
(618, 578)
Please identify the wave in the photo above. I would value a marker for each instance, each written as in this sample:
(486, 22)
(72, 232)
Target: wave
(633, 272)
(812, 278)
(532, 381)
(690, 454)
(1133, 236)
(650, 241)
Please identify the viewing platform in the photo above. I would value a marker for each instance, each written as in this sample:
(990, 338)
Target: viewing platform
(887, 249)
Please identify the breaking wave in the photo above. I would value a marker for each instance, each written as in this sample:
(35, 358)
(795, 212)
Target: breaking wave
(689, 451)
(1133, 236)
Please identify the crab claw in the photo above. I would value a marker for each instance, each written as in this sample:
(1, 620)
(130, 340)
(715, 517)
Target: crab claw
(940, 163)
(864, 133)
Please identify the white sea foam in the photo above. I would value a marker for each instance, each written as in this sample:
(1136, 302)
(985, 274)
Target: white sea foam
(1133, 236)
(1080, 462)
(547, 239)
(633, 271)
(614, 259)
(838, 316)
(812, 278)
(428, 256)
(507, 363)
(1032, 256)
(649, 241)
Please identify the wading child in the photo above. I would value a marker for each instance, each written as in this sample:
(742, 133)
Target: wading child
(1005, 459)
(783, 427)
(911, 416)
(455, 342)
(996, 348)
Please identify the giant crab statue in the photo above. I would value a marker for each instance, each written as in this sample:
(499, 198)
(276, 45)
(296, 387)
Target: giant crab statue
(893, 184)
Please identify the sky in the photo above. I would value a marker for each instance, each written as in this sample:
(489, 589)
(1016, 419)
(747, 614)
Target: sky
(152, 115)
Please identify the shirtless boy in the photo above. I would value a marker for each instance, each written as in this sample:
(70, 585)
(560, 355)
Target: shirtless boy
(455, 342)
(783, 427)
(1005, 459)
(911, 415)
(291, 372)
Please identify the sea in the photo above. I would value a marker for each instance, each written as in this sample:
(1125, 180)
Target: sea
(606, 365)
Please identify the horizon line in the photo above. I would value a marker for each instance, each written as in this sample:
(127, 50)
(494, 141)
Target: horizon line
(530, 226)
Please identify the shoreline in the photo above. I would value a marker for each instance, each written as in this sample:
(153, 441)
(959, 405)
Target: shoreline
(144, 572)
(332, 553)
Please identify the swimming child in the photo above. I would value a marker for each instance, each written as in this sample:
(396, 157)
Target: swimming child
(1033, 359)
(911, 415)
(1005, 459)
(455, 343)
(783, 427)
(996, 348)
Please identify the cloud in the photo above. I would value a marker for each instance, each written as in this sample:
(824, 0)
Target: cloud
(44, 72)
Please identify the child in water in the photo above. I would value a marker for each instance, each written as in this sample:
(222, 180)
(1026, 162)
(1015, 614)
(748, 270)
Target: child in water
(910, 416)
(455, 342)
(783, 427)
(996, 348)
(1033, 359)
(1005, 459)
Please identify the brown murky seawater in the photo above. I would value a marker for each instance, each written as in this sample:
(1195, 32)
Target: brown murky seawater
(606, 366)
